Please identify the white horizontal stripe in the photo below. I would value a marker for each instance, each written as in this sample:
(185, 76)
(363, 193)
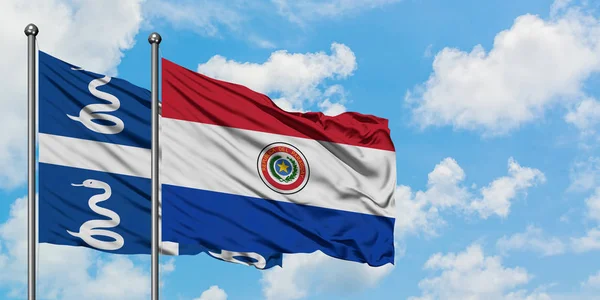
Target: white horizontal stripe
(92, 155)
(104, 157)
(169, 248)
(223, 159)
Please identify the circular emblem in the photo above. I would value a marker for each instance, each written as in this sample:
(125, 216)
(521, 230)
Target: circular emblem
(283, 168)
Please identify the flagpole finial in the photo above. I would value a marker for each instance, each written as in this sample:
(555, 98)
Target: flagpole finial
(154, 38)
(31, 29)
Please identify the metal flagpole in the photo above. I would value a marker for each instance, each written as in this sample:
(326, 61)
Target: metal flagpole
(154, 39)
(31, 32)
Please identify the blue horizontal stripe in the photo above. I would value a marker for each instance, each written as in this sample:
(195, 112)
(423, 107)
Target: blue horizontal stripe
(64, 91)
(64, 207)
(218, 220)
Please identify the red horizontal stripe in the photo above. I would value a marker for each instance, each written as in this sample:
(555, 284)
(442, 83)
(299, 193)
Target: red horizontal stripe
(191, 96)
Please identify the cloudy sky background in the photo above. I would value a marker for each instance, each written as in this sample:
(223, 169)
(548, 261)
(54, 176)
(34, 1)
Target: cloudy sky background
(493, 110)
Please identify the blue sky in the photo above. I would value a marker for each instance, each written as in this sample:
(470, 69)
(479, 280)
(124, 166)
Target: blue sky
(492, 108)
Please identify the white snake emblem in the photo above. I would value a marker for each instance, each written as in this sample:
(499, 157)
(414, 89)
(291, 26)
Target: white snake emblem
(89, 228)
(99, 111)
(230, 257)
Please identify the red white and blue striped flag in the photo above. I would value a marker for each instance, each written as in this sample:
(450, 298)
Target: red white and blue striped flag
(237, 170)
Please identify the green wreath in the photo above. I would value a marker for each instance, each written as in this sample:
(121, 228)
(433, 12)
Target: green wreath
(290, 177)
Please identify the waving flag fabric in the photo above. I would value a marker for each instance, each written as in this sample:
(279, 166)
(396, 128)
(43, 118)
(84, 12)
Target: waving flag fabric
(94, 160)
(94, 169)
(240, 174)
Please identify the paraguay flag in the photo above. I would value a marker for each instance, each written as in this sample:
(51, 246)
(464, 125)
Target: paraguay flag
(237, 171)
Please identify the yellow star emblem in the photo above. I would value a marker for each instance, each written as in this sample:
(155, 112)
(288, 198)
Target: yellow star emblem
(282, 167)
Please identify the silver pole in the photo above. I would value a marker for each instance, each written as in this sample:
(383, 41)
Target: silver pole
(31, 32)
(154, 39)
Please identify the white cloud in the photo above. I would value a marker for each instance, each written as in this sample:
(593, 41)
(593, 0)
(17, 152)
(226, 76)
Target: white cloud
(428, 51)
(335, 97)
(585, 116)
(213, 293)
(585, 175)
(420, 211)
(589, 242)
(71, 30)
(524, 295)
(415, 214)
(261, 42)
(304, 274)
(293, 79)
(301, 11)
(472, 275)
(593, 206)
(204, 16)
(287, 105)
(496, 196)
(164, 269)
(533, 66)
(593, 282)
(559, 6)
(89, 276)
(213, 18)
(533, 239)
(167, 267)
(331, 109)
